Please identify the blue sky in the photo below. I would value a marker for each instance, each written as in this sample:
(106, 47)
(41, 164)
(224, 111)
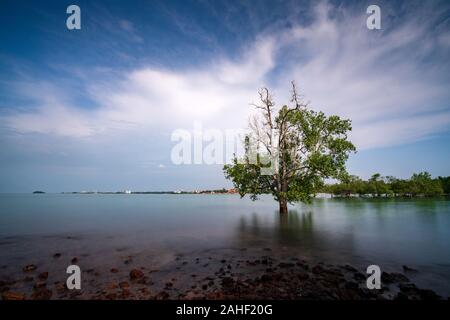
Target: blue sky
(94, 109)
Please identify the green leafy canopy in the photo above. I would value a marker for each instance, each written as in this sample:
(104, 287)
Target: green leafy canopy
(310, 147)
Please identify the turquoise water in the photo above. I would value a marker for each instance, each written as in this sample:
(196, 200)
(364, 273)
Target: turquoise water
(389, 233)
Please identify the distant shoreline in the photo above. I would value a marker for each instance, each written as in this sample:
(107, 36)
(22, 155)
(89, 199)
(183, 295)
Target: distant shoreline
(232, 192)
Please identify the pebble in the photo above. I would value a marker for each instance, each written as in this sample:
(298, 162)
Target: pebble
(136, 274)
(29, 268)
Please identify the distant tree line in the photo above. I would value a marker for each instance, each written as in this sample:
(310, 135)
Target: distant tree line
(420, 184)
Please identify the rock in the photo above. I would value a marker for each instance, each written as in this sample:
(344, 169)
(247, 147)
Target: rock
(28, 279)
(411, 292)
(40, 284)
(13, 296)
(42, 294)
(114, 270)
(350, 268)
(74, 260)
(124, 284)
(162, 296)
(136, 274)
(43, 276)
(393, 277)
(112, 286)
(57, 255)
(428, 295)
(401, 296)
(227, 282)
(351, 285)
(29, 268)
(125, 294)
(286, 265)
(408, 269)
(111, 296)
(318, 269)
(360, 276)
(303, 276)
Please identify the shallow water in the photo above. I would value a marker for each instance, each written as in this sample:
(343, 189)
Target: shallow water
(102, 229)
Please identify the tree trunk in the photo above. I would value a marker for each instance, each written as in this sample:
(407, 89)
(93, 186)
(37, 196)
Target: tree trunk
(283, 206)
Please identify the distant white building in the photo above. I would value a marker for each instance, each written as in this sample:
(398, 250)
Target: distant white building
(127, 191)
(323, 195)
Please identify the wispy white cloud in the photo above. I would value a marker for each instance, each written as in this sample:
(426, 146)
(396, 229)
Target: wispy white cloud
(382, 80)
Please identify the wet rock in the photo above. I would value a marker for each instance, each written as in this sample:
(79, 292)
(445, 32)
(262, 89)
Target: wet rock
(318, 269)
(29, 268)
(40, 284)
(57, 255)
(114, 270)
(61, 287)
(361, 277)
(124, 284)
(42, 294)
(411, 292)
(393, 277)
(28, 279)
(125, 294)
(136, 274)
(74, 260)
(112, 286)
(351, 285)
(13, 296)
(227, 282)
(43, 276)
(429, 295)
(350, 268)
(303, 276)
(284, 265)
(111, 296)
(162, 296)
(408, 269)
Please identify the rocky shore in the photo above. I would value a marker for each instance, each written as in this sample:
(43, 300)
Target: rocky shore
(214, 275)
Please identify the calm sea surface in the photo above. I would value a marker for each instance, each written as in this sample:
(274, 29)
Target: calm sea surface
(389, 233)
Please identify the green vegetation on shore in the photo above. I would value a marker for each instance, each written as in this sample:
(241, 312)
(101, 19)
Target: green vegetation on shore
(420, 184)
